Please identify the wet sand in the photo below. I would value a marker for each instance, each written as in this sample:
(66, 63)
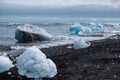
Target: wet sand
(100, 61)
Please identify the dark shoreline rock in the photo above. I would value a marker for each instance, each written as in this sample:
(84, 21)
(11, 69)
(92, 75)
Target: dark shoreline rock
(100, 61)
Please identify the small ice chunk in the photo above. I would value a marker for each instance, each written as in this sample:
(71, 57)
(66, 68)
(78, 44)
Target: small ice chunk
(69, 47)
(5, 64)
(9, 73)
(34, 64)
(115, 76)
(80, 43)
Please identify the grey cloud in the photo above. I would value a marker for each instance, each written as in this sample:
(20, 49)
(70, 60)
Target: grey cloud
(63, 3)
(81, 8)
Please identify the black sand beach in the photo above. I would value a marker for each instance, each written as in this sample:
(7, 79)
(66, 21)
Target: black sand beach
(100, 61)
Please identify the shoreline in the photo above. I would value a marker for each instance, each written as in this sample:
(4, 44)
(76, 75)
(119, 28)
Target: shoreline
(100, 61)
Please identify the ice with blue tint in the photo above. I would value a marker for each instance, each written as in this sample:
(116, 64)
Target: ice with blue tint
(34, 64)
(95, 26)
(5, 63)
(116, 27)
(98, 27)
(75, 29)
(80, 43)
(87, 30)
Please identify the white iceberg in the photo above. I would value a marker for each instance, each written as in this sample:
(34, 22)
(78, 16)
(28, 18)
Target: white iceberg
(34, 64)
(5, 63)
(80, 43)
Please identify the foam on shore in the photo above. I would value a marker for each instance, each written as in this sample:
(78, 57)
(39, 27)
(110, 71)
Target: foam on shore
(62, 40)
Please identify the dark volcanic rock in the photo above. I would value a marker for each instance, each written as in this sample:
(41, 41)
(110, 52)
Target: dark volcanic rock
(28, 33)
(100, 61)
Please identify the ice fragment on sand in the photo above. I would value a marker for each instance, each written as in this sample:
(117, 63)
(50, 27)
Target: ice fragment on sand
(80, 43)
(34, 64)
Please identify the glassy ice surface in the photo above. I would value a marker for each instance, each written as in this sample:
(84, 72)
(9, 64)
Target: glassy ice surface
(5, 63)
(34, 64)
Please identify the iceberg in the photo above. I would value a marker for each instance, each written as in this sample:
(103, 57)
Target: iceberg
(34, 64)
(5, 63)
(87, 30)
(75, 29)
(80, 43)
(96, 26)
(79, 29)
(29, 33)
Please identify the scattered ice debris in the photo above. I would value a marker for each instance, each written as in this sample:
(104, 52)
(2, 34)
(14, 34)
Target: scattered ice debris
(80, 43)
(114, 37)
(115, 76)
(34, 64)
(9, 73)
(98, 66)
(5, 63)
(86, 65)
(69, 47)
(29, 33)
(113, 63)
(108, 68)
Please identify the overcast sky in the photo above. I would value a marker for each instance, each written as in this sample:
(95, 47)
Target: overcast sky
(108, 8)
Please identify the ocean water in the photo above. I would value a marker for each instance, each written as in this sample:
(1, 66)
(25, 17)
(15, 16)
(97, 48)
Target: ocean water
(58, 27)
(7, 30)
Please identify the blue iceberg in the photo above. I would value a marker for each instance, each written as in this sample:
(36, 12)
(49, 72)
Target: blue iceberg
(75, 29)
